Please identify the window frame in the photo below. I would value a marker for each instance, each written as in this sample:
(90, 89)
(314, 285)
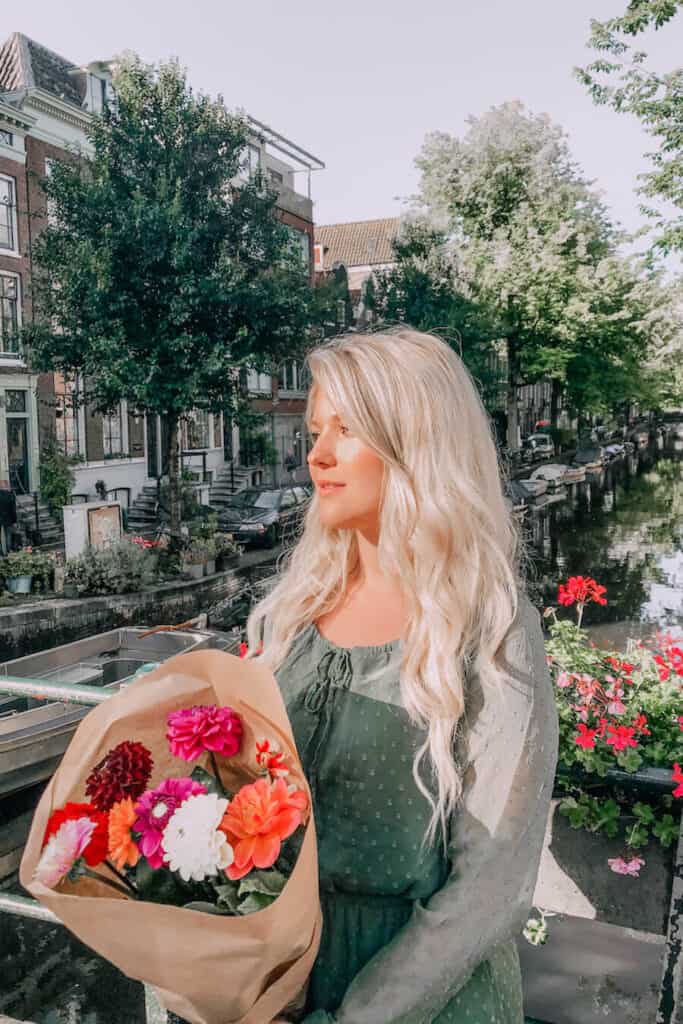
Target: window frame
(6, 353)
(13, 219)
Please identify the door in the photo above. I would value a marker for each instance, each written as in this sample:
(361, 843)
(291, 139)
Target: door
(17, 453)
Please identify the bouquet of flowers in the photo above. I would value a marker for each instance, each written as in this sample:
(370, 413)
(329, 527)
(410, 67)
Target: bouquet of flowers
(186, 855)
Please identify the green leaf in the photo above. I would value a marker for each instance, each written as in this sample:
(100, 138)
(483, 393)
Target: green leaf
(666, 830)
(644, 813)
(228, 896)
(207, 908)
(268, 883)
(200, 774)
(255, 901)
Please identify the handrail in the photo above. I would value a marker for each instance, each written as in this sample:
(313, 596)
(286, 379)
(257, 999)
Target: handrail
(23, 906)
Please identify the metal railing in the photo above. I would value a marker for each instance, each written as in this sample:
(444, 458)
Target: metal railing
(24, 906)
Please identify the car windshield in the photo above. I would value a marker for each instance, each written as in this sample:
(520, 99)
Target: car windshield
(255, 499)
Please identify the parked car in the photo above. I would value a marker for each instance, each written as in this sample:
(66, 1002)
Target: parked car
(538, 446)
(264, 515)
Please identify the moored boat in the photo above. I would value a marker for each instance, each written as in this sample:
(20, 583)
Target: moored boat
(35, 731)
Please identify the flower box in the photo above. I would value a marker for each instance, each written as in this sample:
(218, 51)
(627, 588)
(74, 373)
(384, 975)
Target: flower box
(19, 584)
(607, 947)
(611, 872)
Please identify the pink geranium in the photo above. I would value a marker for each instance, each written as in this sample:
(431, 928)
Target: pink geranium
(622, 867)
(191, 731)
(154, 809)
(63, 850)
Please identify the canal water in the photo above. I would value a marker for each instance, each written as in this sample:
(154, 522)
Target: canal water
(623, 526)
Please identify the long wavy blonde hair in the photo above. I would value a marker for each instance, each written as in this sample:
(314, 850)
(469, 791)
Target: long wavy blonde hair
(446, 530)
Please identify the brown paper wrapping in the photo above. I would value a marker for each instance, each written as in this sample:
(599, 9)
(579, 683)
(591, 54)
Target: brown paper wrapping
(207, 968)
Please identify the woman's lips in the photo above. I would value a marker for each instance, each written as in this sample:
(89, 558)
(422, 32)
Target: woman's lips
(325, 489)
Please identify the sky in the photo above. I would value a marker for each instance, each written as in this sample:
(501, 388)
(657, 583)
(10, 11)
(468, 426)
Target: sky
(359, 85)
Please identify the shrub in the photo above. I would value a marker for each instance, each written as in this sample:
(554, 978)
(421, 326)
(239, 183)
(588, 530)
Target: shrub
(116, 569)
(57, 477)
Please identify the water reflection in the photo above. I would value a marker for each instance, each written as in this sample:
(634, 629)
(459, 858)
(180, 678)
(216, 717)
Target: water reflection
(623, 526)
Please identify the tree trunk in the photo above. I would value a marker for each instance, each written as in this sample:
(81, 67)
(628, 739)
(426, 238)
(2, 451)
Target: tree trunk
(513, 439)
(555, 402)
(175, 503)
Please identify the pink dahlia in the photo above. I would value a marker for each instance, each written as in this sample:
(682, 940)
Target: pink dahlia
(154, 809)
(191, 731)
(124, 771)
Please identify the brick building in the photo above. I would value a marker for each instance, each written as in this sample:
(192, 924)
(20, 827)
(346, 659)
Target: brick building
(46, 102)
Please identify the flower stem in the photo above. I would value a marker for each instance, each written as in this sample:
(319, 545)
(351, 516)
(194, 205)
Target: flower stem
(214, 765)
(126, 881)
(108, 881)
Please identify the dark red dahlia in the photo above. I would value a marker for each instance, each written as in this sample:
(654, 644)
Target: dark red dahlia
(124, 771)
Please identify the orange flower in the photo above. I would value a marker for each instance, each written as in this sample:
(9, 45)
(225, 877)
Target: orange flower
(122, 848)
(258, 819)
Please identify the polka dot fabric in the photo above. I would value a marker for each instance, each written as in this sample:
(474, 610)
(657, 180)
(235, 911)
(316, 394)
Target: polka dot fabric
(381, 937)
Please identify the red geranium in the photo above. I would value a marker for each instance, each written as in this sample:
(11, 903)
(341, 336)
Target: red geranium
(96, 850)
(677, 776)
(581, 590)
(585, 737)
(621, 737)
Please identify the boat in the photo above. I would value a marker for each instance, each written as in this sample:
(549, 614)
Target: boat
(574, 475)
(590, 459)
(535, 488)
(519, 496)
(35, 731)
(554, 474)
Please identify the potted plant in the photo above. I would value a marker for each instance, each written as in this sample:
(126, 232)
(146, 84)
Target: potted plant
(17, 567)
(210, 563)
(194, 559)
(607, 869)
(227, 551)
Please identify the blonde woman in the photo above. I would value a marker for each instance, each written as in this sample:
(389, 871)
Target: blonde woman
(413, 669)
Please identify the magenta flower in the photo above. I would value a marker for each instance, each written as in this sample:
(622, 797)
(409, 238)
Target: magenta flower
(154, 808)
(63, 850)
(191, 731)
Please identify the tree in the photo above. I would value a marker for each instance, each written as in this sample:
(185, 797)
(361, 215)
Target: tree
(521, 223)
(422, 289)
(619, 78)
(158, 277)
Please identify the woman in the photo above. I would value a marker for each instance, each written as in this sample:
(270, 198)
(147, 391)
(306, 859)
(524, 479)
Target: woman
(413, 669)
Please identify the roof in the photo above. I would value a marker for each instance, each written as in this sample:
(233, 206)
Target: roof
(25, 64)
(359, 243)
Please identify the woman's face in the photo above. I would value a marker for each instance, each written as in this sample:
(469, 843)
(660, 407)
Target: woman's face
(339, 457)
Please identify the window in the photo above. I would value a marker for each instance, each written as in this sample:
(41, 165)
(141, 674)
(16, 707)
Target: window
(15, 401)
(217, 430)
(276, 178)
(6, 137)
(8, 214)
(9, 313)
(251, 162)
(112, 433)
(196, 430)
(66, 418)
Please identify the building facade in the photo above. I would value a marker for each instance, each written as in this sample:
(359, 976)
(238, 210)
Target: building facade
(46, 103)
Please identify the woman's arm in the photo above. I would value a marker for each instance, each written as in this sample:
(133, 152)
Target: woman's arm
(497, 840)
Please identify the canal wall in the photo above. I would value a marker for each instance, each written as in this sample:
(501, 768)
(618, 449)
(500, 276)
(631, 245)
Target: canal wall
(46, 624)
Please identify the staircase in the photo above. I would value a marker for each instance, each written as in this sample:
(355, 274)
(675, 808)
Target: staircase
(50, 529)
(142, 518)
(221, 489)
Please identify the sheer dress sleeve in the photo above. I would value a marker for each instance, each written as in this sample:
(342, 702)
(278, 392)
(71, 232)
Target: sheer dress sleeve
(497, 835)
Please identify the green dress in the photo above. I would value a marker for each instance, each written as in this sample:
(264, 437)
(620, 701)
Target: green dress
(413, 935)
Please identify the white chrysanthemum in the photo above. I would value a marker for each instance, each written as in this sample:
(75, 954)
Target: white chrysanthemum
(193, 845)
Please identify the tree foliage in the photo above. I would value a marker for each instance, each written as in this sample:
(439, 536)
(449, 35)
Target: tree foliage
(157, 276)
(619, 78)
